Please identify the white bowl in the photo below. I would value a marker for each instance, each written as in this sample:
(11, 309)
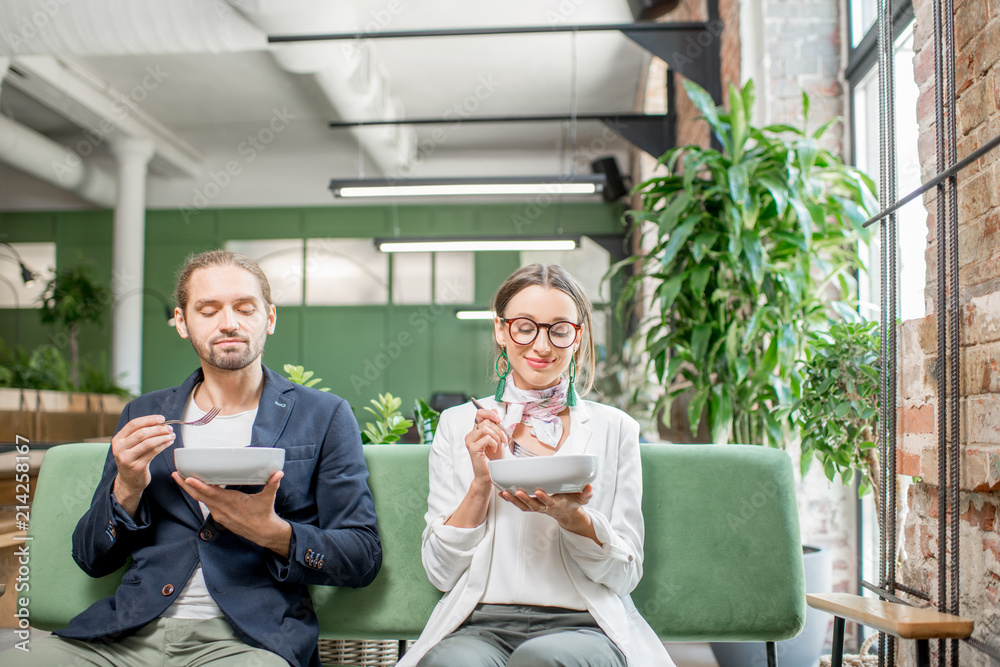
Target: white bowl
(551, 474)
(230, 465)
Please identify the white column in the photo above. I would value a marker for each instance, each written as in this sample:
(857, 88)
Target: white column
(129, 250)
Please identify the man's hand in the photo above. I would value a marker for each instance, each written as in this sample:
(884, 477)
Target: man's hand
(251, 516)
(134, 448)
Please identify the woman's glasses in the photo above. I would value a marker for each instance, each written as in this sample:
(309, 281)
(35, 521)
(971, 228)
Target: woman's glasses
(523, 331)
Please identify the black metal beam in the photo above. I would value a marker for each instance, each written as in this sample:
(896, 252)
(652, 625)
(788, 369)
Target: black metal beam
(691, 48)
(652, 133)
(937, 180)
(694, 51)
(472, 120)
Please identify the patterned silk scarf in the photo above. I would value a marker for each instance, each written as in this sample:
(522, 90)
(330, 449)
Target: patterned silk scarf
(538, 410)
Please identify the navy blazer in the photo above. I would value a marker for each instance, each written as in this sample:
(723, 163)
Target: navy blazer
(324, 495)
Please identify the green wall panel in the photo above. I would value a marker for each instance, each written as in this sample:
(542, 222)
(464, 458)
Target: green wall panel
(172, 226)
(359, 351)
(345, 222)
(166, 357)
(492, 268)
(84, 227)
(284, 346)
(460, 356)
(264, 223)
(343, 345)
(409, 340)
(27, 227)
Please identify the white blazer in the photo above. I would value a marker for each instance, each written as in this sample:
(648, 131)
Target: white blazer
(457, 560)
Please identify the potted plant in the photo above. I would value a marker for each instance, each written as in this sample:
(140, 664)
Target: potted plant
(427, 419)
(747, 246)
(46, 398)
(837, 410)
(389, 425)
(71, 298)
(299, 375)
(836, 413)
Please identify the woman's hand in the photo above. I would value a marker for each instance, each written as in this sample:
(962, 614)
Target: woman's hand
(565, 508)
(485, 443)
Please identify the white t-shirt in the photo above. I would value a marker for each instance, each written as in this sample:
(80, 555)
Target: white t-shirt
(527, 566)
(194, 601)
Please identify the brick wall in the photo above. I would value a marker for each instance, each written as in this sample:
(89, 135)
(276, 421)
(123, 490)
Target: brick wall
(803, 53)
(977, 36)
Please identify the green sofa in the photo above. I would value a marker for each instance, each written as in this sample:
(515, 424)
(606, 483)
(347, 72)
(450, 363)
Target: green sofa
(723, 560)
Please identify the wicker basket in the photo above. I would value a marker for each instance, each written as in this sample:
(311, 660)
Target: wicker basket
(359, 653)
(862, 659)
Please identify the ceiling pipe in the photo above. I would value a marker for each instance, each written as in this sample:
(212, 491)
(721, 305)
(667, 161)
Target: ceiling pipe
(347, 73)
(123, 27)
(35, 154)
(351, 80)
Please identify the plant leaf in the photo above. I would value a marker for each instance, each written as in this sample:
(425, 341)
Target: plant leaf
(677, 238)
(722, 414)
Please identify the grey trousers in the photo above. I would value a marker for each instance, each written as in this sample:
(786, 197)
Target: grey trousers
(166, 642)
(499, 635)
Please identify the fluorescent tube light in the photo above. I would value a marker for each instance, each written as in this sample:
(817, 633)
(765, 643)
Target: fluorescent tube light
(474, 245)
(475, 314)
(424, 187)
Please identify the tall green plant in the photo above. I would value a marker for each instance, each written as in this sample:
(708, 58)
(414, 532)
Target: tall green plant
(71, 298)
(748, 244)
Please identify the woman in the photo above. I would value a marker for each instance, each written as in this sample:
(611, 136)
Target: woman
(536, 579)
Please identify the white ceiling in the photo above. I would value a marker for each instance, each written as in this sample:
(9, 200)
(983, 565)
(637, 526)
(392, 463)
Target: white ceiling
(214, 89)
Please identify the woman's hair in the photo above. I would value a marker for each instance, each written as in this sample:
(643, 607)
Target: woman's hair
(218, 258)
(554, 276)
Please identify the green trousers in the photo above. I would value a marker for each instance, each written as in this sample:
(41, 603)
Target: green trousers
(166, 642)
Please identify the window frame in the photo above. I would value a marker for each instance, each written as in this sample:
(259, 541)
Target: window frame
(862, 60)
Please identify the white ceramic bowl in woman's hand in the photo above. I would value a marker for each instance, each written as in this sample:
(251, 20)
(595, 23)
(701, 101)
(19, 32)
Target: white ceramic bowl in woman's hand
(552, 474)
(230, 465)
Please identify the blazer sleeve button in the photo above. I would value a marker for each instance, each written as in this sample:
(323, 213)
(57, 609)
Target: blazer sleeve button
(168, 589)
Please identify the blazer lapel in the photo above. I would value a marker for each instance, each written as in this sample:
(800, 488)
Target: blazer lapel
(273, 411)
(580, 426)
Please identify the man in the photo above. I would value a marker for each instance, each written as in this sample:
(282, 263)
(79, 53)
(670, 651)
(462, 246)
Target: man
(218, 575)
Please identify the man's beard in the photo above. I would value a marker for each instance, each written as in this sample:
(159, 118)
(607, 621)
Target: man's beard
(229, 360)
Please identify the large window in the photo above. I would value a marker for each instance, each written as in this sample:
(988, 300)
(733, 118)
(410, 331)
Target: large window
(352, 272)
(862, 74)
(912, 217)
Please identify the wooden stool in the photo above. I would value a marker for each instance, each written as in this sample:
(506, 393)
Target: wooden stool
(892, 618)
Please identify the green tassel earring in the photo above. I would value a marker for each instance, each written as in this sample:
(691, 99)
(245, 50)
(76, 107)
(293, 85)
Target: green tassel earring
(502, 384)
(571, 397)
